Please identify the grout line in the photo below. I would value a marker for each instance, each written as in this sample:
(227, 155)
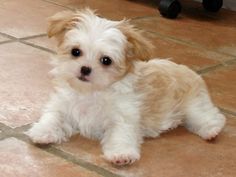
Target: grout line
(227, 111)
(22, 38)
(58, 4)
(8, 131)
(217, 66)
(3, 136)
(209, 69)
(80, 162)
(222, 53)
(8, 41)
(25, 138)
(7, 35)
(4, 127)
(230, 62)
(22, 128)
(12, 132)
(176, 40)
(38, 47)
(34, 36)
(141, 17)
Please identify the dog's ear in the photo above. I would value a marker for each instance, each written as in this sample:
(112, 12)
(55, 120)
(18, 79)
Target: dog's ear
(139, 47)
(59, 23)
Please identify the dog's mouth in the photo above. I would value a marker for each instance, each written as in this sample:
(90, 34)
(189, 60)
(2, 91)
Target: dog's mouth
(83, 78)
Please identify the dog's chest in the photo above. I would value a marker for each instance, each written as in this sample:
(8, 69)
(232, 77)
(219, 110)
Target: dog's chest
(90, 114)
(90, 106)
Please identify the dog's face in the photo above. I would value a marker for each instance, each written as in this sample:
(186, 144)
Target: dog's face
(94, 52)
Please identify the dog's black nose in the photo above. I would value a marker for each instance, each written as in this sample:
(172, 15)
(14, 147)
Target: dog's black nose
(85, 70)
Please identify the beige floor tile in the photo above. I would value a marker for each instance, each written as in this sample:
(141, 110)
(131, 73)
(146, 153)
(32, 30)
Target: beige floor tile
(26, 17)
(222, 86)
(25, 83)
(18, 159)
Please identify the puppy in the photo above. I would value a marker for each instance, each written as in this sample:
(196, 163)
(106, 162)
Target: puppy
(107, 88)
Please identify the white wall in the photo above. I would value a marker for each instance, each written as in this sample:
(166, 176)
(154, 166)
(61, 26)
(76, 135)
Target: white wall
(228, 4)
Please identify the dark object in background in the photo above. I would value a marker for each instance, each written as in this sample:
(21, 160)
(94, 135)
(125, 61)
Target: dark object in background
(171, 8)
(212, 5)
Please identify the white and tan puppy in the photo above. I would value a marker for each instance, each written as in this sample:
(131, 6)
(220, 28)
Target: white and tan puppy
(106, 89)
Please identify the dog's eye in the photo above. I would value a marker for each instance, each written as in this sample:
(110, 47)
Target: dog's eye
(76, 52)
(105, 60)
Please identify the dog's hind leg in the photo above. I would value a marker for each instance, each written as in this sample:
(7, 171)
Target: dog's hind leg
(202, 117)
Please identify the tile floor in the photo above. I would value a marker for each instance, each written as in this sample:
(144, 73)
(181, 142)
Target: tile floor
(205, 42)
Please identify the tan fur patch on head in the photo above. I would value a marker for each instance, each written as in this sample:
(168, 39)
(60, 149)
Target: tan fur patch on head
(59, 23)
(139, 47)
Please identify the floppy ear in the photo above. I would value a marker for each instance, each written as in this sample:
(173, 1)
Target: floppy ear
(139, 47)
(59, 23)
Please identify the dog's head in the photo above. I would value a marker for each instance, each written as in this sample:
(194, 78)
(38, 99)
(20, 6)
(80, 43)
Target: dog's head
(94, 52)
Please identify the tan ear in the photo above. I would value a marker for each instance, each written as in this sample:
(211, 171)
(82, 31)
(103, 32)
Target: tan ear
(59, 23)
(139, 47)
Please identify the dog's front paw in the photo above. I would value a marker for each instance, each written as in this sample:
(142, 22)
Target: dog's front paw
(212, 128)
(122, 158)
(40, 135)
(211, 133)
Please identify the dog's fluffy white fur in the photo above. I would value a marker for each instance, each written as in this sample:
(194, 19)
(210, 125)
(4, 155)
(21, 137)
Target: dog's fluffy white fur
(121, 103)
